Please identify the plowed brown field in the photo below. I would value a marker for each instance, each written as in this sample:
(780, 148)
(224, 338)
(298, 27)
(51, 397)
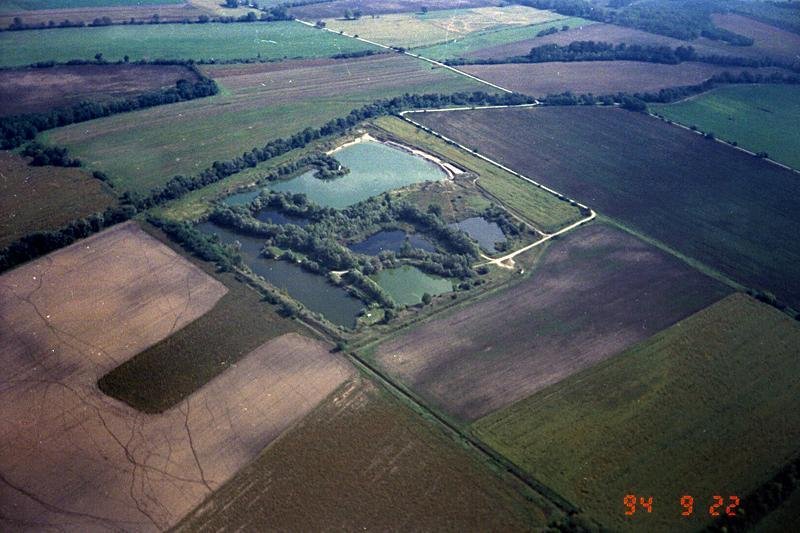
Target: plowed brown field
(70, 455)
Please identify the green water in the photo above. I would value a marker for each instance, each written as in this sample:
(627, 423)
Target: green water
(407, 284)
(374, 169)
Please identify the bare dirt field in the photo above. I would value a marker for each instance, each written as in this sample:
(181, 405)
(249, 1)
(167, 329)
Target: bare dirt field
(70, 455)
(362, 461)
(597, 77)
(768, 40)
(31, 90)
(116, 14)
(44, 198)
(595, 292)
(370, 7)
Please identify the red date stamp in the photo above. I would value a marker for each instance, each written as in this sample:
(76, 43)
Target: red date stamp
(686, 505)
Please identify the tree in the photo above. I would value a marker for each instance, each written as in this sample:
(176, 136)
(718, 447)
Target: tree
(232, 3)
(424, 9)
(320, 24)
(426, 299)
(348, 14)
(202, 19)
(98, 57)
(126, 59)
(357, 14)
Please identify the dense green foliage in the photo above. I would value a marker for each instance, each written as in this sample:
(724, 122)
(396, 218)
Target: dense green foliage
(15, 130)
(54, 156)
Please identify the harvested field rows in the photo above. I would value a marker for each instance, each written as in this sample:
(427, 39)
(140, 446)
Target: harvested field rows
(418, 29)
(597, 77)
(724, 208)
(613, 34)
(70, 455)
(595, 292)
(708, 406)
(274, 40)
(364, 461)
(325, 10)
(34, 90)
(44, 198)
(768, 40)
(259, 103)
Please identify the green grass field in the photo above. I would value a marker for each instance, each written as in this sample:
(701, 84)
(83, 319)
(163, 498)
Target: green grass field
(31, 5)
(417, 29)
(256, 104)
(708, 406)
(273, 40)
(460, 47)
(543, 210)
(758, 117)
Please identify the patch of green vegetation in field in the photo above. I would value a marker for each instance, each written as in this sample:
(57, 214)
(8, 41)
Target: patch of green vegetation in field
(166, 373)
(273, 40)
(760, 118)
(708, 406)
(460, 47)
(543, 210)
(143, 149)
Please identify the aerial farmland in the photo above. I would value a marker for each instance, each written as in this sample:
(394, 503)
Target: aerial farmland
(458, 265)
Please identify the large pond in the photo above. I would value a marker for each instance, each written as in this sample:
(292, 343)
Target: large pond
(407, 284)
(374, 169)
(313, 291)
(391, 240)
(241, 198)
(485, 233)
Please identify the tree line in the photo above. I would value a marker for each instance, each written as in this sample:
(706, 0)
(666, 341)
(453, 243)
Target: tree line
(604, 51)
(272, 14)
(17, 129)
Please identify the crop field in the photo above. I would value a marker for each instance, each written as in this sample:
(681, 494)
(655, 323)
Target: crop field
(722, 207)
(164, 374)
(597, 77)
(473, 44)
(44, 198)
(418, 29)
(542, 210)
(757, 117)
(611, 33)
(659, 419)
(77, 313)
(34, 90)
(364, 461)
(337, 8)
(258, 103)
(35, 5)
(769, 40)
(594, 293)
(274, 40)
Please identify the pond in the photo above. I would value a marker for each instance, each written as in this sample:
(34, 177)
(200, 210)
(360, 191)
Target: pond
(391, 240)
(407, 284)
(241, 198)
(485, 233)
(313, 291)
(374, 169)
(271, 215)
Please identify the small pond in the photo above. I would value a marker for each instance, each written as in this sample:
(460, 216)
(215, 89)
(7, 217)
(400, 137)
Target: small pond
(391, 240)
(271, 215)
(485, 233)
(407, 284)
(313, 291)
(374, 169)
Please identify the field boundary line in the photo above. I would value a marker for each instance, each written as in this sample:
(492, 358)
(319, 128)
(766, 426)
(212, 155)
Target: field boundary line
(722, 141)
(404, 52)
